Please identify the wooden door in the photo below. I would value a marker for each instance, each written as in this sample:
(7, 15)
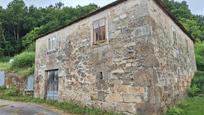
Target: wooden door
(52, 92)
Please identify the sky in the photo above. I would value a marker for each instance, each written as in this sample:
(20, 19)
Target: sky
(196, 6)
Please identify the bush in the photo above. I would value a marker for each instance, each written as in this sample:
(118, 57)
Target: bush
(25, 72)
(199, 51)
(23, 60)
(175, 111)
(198, 81)
(11, 92)
(5, 59)
(2, 88)
(193, 91)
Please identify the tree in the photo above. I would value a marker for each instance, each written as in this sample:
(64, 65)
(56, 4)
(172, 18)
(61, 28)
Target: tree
(18, 23)
(193, 24)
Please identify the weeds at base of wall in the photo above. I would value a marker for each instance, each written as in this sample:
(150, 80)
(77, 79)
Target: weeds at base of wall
(194, 103)
(69, 107)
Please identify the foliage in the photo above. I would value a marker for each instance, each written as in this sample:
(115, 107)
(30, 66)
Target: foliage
(189, 106)
(25, 72)
(198, 82)
(194, 24)
(28, 39)
(199, 51)
(23, 60)
(2, 88)
(5, 59)
(11, 92)
(20, 24)
(194, 104)
(69, 107)
(193, 90)
(175, 111)
(4, 66)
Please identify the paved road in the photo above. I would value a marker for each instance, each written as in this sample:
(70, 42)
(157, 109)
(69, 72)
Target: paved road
(17, 108)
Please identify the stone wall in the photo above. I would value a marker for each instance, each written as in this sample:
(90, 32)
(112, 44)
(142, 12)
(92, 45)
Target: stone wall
(175, 53)
(141, 69)
(13, 80)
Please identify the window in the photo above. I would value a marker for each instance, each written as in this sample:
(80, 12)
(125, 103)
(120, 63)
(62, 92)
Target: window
(99, 31)
(52, 43)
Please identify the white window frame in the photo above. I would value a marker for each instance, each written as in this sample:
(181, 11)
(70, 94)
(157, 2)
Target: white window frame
(52, 43)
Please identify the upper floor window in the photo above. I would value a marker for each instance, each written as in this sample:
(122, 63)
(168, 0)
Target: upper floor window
(99, 31)
(52, 43)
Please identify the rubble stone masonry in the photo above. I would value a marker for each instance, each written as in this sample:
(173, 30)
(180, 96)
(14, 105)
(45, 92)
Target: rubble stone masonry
(146, 64)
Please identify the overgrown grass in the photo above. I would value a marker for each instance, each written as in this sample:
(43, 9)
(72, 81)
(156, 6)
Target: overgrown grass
(189, 106)
(194, 104)
(4, 66)
(69, 107)
(199, 52)
(22, 64)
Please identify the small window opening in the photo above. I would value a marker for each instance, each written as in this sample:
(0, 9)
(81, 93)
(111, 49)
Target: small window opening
(101, 75)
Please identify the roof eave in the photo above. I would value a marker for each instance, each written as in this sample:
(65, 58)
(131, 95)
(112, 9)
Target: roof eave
(159, 2)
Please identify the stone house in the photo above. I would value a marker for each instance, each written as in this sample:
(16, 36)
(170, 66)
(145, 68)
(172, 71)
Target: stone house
(131, 56)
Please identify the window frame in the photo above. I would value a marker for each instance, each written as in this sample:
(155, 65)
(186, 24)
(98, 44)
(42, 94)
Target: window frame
(52, 43)
(99, 40)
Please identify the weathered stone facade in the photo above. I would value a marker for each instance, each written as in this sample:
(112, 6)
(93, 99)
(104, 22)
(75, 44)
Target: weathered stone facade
(141, 69)
(13, 80)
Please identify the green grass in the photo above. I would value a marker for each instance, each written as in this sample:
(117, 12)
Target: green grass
(22, 64)
(194, 104)
(199, 52)
(189, 106)
(4, 66)
(68, 107)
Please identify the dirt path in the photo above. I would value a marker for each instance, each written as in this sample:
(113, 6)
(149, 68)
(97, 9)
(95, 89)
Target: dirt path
(18, 108)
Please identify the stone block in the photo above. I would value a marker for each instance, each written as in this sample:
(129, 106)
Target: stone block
(131, 98)
(136, 90)
(126, 107)
(118, 71)
(114, 98)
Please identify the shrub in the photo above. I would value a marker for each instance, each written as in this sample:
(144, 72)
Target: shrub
(25, 72)
(193, 91)
(31, 47)
(2, 88)
(4, 58)
(175, 111)
(23, 60)
(198, 81)
(11, 92)
(199, 51)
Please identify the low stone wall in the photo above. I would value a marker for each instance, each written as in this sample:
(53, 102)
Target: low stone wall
(13, 80)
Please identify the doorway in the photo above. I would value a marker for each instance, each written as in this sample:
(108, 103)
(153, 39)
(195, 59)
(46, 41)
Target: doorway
(52, 85)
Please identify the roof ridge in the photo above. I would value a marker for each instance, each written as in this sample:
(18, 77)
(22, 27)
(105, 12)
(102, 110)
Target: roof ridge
(158, 2)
